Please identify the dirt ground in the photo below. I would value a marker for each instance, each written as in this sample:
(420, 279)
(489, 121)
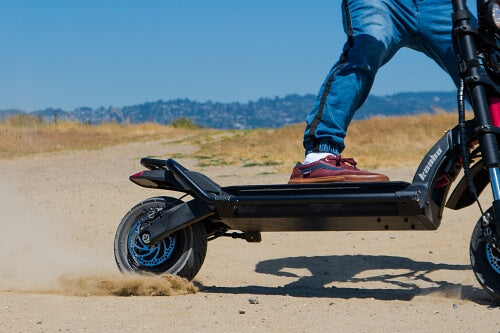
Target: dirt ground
(59, 213)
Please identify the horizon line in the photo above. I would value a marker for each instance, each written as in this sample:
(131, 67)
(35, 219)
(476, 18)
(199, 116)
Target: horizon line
(210, 101)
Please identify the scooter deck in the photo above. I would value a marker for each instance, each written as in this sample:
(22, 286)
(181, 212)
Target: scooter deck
(314, 191)
(329, 206)
(391, 205)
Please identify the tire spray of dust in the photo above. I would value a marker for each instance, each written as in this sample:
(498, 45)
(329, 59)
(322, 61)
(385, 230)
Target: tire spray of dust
(33, 258)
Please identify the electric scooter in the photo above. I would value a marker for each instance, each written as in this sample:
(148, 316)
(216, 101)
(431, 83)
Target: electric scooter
(168, 235)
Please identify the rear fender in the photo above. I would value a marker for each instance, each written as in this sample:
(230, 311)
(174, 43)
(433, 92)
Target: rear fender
(159, 178)
(165, 180)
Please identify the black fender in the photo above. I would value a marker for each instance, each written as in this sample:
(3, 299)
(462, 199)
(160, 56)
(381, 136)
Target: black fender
(159, 176)
(461, 196)
(439, 169)
(442, 176)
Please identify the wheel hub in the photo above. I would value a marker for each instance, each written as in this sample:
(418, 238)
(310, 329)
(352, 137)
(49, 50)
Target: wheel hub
(146, 255)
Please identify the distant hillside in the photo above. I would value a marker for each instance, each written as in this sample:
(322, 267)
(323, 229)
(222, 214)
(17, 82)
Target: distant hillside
(265, 112)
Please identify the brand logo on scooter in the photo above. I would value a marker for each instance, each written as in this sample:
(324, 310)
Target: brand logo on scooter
(430, 163)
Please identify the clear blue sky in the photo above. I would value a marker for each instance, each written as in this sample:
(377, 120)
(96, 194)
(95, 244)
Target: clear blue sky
(118, 52)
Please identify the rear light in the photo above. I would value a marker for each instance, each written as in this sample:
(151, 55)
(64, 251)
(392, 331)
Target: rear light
(137, 175)
(144, 179)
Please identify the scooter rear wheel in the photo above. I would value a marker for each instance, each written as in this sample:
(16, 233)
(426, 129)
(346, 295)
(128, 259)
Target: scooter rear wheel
(485, 259)
(181, 253)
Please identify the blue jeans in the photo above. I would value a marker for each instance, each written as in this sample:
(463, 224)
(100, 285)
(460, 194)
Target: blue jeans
(376, 30)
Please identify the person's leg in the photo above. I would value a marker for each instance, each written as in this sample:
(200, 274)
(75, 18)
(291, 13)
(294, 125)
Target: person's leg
(435, 35)
(375, 29)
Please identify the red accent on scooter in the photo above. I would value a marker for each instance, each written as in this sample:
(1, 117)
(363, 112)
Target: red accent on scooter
(494, 104)
(137, 175)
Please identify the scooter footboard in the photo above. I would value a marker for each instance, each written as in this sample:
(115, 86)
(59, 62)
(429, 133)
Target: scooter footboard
(325, 207)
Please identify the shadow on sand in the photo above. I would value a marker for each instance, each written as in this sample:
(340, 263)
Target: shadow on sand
(400, 279)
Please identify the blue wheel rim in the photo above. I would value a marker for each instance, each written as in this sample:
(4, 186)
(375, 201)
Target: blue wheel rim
(149, 256)
(493, 259)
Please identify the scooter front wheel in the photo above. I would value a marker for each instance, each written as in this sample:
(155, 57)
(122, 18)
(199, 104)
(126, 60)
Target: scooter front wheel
(181, 253)
(485, 258)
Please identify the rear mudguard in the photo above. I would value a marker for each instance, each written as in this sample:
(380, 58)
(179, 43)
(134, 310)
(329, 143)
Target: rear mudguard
(158, 176)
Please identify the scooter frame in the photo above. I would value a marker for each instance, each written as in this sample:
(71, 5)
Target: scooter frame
(252, 209)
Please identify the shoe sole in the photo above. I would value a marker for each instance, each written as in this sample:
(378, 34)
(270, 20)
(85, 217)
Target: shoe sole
(341, 179)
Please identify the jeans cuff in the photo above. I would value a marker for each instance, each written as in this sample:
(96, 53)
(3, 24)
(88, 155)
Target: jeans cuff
(321, 147)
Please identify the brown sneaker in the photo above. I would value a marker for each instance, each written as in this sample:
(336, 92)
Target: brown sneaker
(333, 169)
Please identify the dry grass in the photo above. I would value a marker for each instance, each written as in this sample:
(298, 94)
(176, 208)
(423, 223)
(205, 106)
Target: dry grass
(270, 147)
(24, 135)
(398, 141)
(375, 142)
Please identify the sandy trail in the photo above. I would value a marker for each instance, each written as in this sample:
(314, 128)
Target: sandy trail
(59, 213)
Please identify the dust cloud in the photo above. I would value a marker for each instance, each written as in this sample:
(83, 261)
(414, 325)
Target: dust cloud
(123, 285)
(36, 256)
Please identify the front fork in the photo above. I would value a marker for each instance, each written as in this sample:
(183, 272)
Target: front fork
(494, 108)
(495, 187)
(494, 111)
